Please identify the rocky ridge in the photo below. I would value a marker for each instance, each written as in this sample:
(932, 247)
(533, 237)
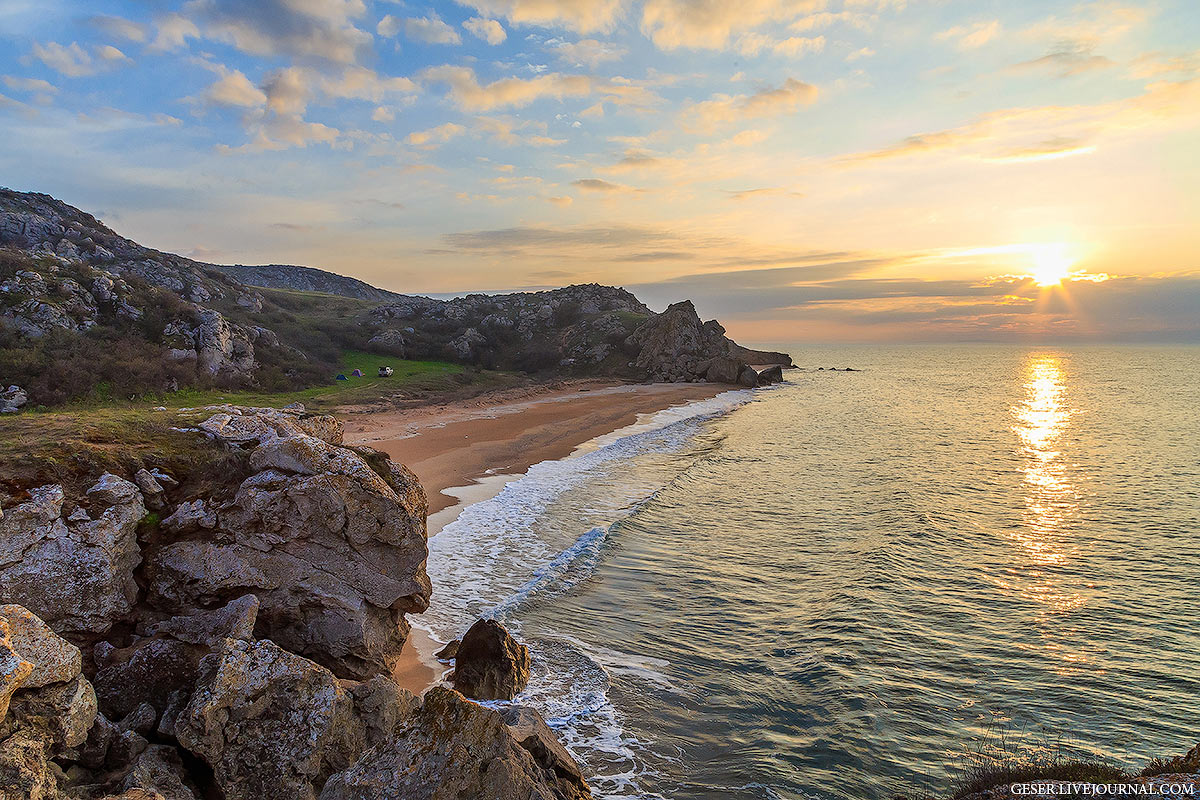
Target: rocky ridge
(240, 642)
(86, 300)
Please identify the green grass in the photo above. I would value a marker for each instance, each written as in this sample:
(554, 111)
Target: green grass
(410, 379)
(74, 444)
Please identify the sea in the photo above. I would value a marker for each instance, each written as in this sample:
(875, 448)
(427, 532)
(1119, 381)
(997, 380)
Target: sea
(858, 584)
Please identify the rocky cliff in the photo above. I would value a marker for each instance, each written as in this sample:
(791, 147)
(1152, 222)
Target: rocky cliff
(237, 643)
(82, 307)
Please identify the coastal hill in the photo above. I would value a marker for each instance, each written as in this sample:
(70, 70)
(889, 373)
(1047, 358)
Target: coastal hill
(82, 307)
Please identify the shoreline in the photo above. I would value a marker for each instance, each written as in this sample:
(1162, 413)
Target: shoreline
(465, 453)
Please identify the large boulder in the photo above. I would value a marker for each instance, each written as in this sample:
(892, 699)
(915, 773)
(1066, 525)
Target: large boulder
(331, 540)
(271, 724)
(490, 664)
(54, 659)
(14, 669)
(222, 347)
(159, 670)
(452, 748)
(723, 369)
(771, 374)
(12, 399)
(75, 573)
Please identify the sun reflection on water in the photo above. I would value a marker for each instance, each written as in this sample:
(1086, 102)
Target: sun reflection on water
(1040, 422)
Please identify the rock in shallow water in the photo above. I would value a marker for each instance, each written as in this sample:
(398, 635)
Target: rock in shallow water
(490, 664)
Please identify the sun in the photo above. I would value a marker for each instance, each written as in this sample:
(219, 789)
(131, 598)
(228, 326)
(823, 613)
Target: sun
(1051, 264)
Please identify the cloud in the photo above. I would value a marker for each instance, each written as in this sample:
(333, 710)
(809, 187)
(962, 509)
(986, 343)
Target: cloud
(287, 91)
(862, 52)
(561, 200)
(120, 27)
(172, 32)
(488, 30)
(581, 16)
(30, 84)
(969, 37)
(597, 185)
(279, 132)
(317, 29)
(389, 26)
(799, 45)
(470, 95)
(435, 136)
(1018, 134)
(74, 61)
(431, 29)
(711, 24)
(788, 98)
(234, 89)
(1066, 61)
(382, 114)
(587, 52)
(1156, 65)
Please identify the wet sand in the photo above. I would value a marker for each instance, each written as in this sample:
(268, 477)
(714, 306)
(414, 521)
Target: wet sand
(467, 451)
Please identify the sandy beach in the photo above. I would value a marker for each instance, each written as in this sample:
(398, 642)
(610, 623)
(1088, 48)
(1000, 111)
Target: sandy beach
(465, 451)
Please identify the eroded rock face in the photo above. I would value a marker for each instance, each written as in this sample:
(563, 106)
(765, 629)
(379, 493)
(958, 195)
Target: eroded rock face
(333, 546)
(490, 664)
(54, 659)
(272, 725)
(453, 748)
(671, 345)
(77, 573)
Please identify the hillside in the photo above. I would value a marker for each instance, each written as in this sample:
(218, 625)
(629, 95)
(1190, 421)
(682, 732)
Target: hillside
(85, 312)
(305, 279)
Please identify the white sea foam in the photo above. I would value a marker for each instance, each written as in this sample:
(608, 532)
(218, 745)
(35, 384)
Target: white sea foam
(541, 535)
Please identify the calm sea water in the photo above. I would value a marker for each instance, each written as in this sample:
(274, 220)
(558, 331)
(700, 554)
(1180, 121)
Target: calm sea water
(836, 587)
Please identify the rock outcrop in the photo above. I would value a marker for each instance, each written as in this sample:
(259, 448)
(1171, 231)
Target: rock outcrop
(490, 664)
(76, 571)
(453, 748)
(333, 549)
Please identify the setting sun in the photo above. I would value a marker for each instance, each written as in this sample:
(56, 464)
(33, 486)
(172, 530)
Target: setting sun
(1051, 264)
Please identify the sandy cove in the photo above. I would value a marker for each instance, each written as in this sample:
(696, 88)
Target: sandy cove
(452, 447)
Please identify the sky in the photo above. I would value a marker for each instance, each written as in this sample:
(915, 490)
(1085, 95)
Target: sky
(804, 170)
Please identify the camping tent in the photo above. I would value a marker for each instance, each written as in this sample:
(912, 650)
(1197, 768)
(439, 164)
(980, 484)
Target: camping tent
(342, 377)
(357, 373)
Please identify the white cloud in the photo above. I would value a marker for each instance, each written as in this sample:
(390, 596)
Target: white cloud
(120, 27)
(29, 84)
(789, 97)
(389, 26)
(712, 24)
(470, 95)
(969, 37)
(862, 52)
(488, 30)
(435, 136)
(588, 52)
(234, 89)
(431, 29)
(383, 114)
(322, 29)
(172, 32)
(581, 16)
(74, 61)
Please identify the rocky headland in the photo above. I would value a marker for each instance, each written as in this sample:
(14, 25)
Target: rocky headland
(163, 640)
(83, 307)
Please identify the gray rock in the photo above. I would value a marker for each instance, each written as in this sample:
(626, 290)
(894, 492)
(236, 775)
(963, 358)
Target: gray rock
(272, 725)
(769, 375)
(233, 621)
(76, 576)
(59, 713)
(453, 748)
(12, 399)
(159, 769)
(490, 664)
(748, 377)
(54, 659)
(14, 669)
(390, 341)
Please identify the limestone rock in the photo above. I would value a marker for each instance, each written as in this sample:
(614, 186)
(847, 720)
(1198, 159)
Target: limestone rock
(76, 575)
(452, 748)
(148, 671)
(25, 769)
(272, 725)
(330, 539)
(14, 670)
(159, 769)
(389, 340)
(748, 377)
(54, 659)
(60, 713)
(772, 374)
(12, 399)
(235, 620)
(490, 664)
(222, 347)
(531, 731)
(723, 369)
